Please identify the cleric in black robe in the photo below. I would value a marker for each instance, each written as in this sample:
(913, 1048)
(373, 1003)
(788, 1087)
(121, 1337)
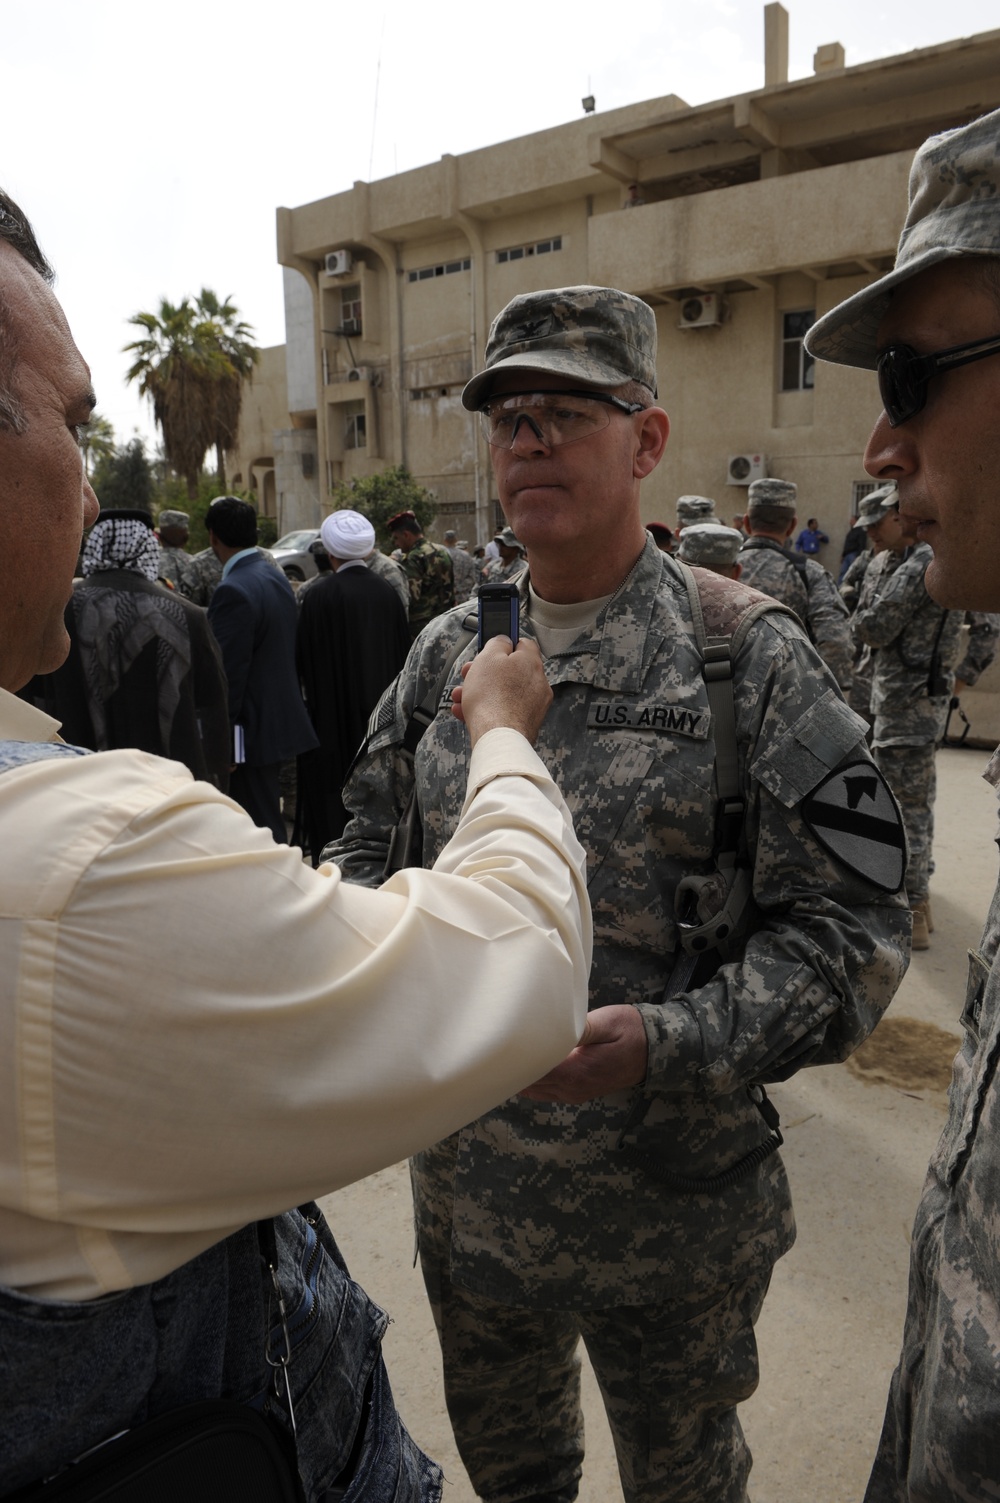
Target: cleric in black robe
(143, 670)
(353, 638)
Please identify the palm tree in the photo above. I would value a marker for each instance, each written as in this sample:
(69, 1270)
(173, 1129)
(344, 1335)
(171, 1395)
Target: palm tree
(191, 363)
(221, 324)
(97, 442)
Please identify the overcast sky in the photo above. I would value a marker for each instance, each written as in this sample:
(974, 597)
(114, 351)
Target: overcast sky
(150, 144)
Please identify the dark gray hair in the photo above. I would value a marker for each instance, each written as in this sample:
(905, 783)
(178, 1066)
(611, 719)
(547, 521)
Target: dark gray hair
(17, 232)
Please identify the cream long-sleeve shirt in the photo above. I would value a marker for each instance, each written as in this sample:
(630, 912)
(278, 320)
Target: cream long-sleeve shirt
(198, 1030)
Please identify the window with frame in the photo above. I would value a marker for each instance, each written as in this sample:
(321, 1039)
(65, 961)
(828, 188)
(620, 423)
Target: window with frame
(350, 308)
(354, 425)
(797, 365)
(442, 269)
(540, 248)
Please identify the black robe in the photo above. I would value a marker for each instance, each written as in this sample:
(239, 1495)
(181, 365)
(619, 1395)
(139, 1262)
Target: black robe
(143, 671)
(353, 638)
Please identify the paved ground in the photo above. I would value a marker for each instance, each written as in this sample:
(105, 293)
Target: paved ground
(855, 1152)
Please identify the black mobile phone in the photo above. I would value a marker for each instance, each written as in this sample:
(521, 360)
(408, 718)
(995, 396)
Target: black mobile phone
(498, 612)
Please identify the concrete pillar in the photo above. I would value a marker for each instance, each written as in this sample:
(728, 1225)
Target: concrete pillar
(775, 44)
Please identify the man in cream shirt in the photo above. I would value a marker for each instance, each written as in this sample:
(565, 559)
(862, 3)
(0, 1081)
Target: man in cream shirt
(198, 1031)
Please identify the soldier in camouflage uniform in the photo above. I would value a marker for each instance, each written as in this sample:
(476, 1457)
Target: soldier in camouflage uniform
(510, 564)
(915, 646)
(428, 569)
(937, 439)
(175, 565)
(205, 573)
(799, 582)
(464, 566)
(694, 509)
(633, 1195)
(879, 515)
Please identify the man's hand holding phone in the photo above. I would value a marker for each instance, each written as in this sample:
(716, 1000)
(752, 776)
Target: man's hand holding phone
(503, 686)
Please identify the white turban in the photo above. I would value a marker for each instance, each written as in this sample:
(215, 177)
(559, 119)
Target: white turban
(347, 534)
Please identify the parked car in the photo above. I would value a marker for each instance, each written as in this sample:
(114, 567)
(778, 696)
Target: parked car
(291, 553)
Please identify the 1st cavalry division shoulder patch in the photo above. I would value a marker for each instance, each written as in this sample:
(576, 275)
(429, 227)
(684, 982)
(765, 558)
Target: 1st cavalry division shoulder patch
(854, 815)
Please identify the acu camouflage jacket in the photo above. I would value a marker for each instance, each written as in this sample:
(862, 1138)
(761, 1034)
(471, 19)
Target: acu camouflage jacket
(548, 1208)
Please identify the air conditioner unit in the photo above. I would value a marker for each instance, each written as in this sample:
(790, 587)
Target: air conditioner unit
(743, 469)
(359, 373)
(338, 263)
(703, 311)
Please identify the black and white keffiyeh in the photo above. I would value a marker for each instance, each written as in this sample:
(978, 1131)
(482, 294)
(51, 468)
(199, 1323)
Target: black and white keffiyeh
(121, 542)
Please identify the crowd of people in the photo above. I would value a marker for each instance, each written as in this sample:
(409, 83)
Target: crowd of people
(579, 901)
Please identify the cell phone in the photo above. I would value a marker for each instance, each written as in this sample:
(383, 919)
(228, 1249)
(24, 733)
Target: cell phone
(498, 612)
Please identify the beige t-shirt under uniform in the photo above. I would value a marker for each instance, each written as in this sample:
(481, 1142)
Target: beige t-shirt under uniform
(198, 1030)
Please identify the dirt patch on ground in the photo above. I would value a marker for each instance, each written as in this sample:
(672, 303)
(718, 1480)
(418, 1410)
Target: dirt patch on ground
(908, 1054)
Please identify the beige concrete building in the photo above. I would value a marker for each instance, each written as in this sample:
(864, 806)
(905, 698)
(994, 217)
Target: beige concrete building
(739, 221)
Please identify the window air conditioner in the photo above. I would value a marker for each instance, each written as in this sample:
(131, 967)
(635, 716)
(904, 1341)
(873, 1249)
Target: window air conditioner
(350, 326)
(743, 469)
(358, 373)
(701, 312)
(338, 263)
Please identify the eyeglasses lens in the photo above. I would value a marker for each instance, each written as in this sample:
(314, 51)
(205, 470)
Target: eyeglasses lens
(901, 384)
(554, 419)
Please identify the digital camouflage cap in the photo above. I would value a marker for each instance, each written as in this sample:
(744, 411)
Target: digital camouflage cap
(595, 335)
(777, 495)
(710, 545)
(876, 505)
(691, 509)
(954, 211)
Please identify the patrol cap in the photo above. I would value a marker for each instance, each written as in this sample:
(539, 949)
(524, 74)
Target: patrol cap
(954, 210)
(506, 536)
(777, 495)
(710, 544)
(173, 519)
(595, 335)
(876, 505)
(403, 520)
(691, 509)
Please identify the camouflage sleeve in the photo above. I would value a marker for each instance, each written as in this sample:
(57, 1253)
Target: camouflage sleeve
(414, 566)
(851, 582)
(984, 633)
(827, 946)
(829, 624)
(898, 600)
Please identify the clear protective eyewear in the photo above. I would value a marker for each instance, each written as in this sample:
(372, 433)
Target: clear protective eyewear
(903, 374)
(554, 417)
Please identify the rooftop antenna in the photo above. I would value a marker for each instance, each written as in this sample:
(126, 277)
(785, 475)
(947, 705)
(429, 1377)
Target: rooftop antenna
(378, 70)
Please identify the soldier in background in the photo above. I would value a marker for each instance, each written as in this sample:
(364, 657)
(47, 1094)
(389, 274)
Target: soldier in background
(175, 565)
(466, 573)
(879, 516)
(204, 577)
(799, 582)
(510, 564)
(980, 649)
(709, 545)
(662, 536)
(913, 673)
(633, 1195)
(428, 569)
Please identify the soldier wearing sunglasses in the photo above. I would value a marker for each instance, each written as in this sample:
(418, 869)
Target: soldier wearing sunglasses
(929, 329)
(633, 1196)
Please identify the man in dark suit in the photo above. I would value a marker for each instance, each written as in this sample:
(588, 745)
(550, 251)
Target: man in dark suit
(253, 616)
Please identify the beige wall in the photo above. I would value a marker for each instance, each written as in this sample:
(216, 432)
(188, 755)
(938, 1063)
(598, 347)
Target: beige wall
(781, 200)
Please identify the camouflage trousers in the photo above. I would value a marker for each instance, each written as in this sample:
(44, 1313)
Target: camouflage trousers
(671, 1377)
(911, 774)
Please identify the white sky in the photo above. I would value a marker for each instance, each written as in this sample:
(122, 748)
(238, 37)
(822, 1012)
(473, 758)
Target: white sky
(151, 144)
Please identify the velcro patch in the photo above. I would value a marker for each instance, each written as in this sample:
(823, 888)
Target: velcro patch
(853, 814)
(621, 714)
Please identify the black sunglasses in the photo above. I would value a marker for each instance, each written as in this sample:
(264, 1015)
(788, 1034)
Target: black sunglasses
(903, 374)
